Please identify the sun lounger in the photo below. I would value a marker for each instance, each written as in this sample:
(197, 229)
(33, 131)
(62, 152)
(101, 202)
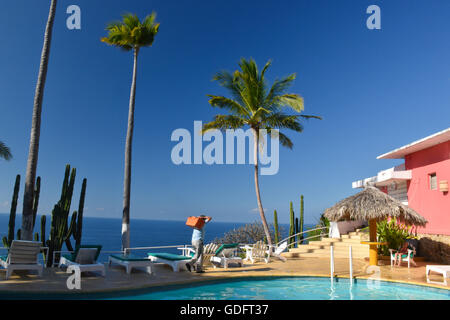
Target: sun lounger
(258, 251)
(130, 262)
(444, 270)
(277, 250)
(177, 262)
(23, 255)
(84, 257)
(225, 255)
(209, 251)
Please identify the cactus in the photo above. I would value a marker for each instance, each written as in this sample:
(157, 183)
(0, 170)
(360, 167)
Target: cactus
(43, 221)
(302, 211)
(42, 238)
(291, 224)
(297, 228)
(36, 194)
(275, 226)
(12, 215)
(60, 229)
(78, 230)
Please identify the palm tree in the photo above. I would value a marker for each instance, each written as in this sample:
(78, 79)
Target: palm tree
(5, 153)
(253, 105)
(27, 212)
(130, 34)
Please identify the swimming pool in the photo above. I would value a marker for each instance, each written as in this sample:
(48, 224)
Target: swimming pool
(261, 288)
(295, 288)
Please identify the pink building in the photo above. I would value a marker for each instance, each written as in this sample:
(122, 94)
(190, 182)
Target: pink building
(421, 182)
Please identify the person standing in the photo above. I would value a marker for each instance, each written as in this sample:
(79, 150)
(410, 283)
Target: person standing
(198, 236)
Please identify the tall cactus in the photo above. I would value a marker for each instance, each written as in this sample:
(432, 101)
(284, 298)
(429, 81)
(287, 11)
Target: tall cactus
(12, 214)
(275, 226)
(36, 194)
(302, 211)
(43, 220)
(78, 228)
(297, 230)
(291, 223)
(60, 229)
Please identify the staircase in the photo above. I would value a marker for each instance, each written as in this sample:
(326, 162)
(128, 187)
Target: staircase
(321, 249)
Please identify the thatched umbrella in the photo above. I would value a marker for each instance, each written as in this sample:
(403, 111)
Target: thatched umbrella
(373, 205)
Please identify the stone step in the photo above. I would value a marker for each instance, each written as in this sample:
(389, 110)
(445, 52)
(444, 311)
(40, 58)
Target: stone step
(358, 237)
(353, 245)
(332, 240)
(337, 247)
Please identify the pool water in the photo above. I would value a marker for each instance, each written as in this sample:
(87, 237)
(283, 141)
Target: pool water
(296, 288)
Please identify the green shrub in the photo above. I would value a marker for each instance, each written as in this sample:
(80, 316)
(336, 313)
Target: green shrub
(393, 233)
(247, 234)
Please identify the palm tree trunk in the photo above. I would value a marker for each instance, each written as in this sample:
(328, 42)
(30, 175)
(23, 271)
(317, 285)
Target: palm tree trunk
(258, 196)
(27, 212)
(128, 152)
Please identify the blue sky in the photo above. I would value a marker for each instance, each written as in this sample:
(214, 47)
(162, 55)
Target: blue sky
(375, 89)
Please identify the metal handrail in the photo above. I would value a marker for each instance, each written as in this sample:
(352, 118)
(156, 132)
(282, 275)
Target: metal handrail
(157, 247)
(306, 231)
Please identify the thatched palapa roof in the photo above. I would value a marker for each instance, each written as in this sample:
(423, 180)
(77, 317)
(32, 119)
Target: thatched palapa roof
(371, 203)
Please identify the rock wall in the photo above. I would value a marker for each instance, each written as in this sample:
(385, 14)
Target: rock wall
(435, 248)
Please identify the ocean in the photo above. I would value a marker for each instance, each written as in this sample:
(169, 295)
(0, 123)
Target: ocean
(143, 233)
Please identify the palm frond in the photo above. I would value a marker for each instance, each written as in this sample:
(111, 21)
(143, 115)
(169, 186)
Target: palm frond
(311, 117)
(230, 104)
(283, 121)
(223, 122)
(279, 87)
(284, 140)
(294, 101)
(5, 152)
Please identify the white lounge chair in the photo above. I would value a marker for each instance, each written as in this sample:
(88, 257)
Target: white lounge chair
(209, 251)
(129, 262)
(22, 255)
(404, 257)
(84, 257)
(226, 255)
(277, 252)
(444, 270)
(258, 251)
(177, 262)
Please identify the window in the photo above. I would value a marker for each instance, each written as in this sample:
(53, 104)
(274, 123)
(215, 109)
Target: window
(433, 181)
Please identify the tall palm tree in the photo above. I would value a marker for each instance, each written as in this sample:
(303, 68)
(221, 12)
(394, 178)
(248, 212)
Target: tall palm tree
(130, 34)
(5, 153)
(253, 104)
(27, 212)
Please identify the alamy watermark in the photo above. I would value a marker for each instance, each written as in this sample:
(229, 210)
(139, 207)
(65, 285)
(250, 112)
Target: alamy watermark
(74, 280)
(189, 150)
(374, 20)
(73, 22)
